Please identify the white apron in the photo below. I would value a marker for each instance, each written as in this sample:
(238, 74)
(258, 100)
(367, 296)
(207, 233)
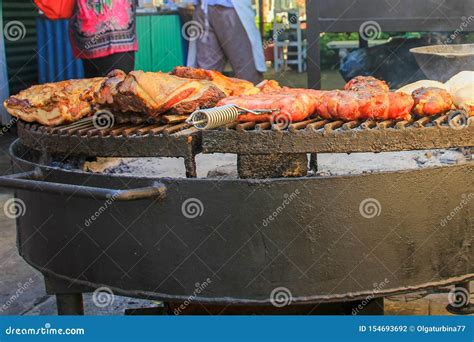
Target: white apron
(245, 12)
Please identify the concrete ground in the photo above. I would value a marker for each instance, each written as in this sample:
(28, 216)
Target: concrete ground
(21, 287)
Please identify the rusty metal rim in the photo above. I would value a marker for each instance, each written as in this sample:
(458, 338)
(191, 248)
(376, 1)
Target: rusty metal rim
(238, 301)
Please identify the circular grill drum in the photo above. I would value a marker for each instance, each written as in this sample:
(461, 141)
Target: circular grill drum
(323, 246)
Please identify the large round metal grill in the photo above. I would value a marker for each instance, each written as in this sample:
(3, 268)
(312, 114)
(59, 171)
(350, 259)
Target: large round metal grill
(325, 250)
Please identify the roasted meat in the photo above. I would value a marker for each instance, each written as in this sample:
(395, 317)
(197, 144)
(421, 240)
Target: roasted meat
(230, 86)
(362, 105)
(312, 97)
(154, 93)
(366, 83)
(269, 86)
(431, 101)
(287, 107)
(55, 103)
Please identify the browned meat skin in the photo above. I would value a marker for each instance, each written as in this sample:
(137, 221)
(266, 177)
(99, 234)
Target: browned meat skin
(230, 86)
(289, 107)
(352, 105)
(431, 101)
(312, 97)
(154, 93)
(55, 103)
(366, 83)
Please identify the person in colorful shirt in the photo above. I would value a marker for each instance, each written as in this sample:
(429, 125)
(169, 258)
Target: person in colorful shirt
(103, 35)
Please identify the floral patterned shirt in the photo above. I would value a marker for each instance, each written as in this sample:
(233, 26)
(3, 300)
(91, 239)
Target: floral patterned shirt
(100, 28)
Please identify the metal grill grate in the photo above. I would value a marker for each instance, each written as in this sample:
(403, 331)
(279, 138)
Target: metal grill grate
(318, 124)
(451, 130)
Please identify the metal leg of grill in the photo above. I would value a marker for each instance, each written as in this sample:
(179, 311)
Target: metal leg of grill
(462, 300)
(190, 166)
(70, 304)
(313, 163)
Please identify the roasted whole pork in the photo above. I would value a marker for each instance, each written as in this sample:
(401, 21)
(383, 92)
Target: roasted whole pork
(55, 103)
(431, 101)
(154, 93)
(363, 98)
(229, 85)
(350, 105)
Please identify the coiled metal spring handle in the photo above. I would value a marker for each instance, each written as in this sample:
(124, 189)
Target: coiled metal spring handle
(220, 116)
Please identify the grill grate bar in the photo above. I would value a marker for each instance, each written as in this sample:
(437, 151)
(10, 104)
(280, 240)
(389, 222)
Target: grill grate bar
(263, 126)
(317, 125)
(245, 126)
(175, 128)
(441, 120)
(422, 122)
(350, 125)
(333, 125)
(385, 124)
(368, 124)
(301, 125)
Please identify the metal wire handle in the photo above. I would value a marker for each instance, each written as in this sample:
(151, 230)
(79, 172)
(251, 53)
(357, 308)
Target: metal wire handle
(219, 116)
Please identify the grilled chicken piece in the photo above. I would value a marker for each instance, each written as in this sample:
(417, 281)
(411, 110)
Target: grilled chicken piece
(154, 93)
(287, 108)
(229, 85)
(367, 83)
(53, 104)
(431, 101)
(359, 105)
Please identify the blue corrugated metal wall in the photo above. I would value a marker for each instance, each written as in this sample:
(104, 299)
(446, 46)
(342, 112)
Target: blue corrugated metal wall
(55, 61)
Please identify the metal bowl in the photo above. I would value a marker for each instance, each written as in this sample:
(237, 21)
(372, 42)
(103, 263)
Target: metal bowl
(441, 62)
